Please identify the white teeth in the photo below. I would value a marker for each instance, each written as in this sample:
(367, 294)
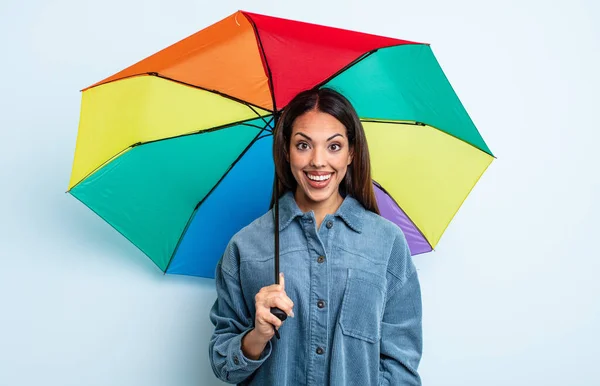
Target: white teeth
(319, 178)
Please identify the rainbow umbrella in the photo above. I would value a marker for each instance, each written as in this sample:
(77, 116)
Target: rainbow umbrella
(174, 152)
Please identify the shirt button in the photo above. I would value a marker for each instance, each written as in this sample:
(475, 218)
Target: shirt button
(320, 351)
(329, 224)
(236, 360)
(321, 304)
(320, 259)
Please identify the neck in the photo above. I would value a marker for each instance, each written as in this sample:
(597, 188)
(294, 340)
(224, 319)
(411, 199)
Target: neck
(321, 209)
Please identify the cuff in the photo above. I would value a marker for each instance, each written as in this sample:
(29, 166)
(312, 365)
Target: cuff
(236, 360)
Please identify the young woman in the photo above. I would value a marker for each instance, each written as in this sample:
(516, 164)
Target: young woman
(350, 288)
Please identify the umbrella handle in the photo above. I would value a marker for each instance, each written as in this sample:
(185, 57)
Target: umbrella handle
(281, 315)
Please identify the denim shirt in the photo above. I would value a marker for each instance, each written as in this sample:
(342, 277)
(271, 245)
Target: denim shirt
(356, 294)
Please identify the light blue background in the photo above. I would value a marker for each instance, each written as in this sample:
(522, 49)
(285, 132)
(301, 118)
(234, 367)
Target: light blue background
(510, 296)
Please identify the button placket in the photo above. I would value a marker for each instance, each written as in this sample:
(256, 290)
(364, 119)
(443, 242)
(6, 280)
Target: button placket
(319, 317)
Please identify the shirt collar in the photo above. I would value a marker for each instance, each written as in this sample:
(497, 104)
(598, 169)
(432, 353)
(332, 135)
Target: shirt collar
(288, 210)
(351, 212)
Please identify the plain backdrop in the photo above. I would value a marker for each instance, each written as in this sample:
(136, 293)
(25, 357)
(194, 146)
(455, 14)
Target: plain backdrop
(510, 296)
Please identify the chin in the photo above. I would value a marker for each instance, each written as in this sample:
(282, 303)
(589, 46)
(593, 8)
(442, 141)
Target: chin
(317, 196)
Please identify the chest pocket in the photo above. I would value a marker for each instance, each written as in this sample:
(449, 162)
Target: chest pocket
(362, 307)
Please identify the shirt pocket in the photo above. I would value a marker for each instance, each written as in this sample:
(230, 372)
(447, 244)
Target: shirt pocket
(362, 307)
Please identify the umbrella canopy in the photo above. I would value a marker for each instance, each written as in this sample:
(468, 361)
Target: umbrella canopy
(175, 151)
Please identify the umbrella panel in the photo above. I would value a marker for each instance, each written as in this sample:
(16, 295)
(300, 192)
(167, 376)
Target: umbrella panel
(149, 192)
(241, 197)
(428, 172)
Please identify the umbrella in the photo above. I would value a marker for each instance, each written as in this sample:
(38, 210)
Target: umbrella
(174, 152)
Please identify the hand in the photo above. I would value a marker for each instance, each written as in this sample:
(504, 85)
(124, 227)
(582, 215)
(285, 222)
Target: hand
(271, 296)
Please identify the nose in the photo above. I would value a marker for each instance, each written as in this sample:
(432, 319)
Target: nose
(318, 158)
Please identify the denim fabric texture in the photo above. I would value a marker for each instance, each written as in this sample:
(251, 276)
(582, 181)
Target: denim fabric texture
(356, 294)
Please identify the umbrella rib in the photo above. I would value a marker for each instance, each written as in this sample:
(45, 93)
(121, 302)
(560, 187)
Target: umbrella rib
(347, 66)
(264, 136)
(198, 132)
(254, 140)
(209, 90)
(100, 167)
(156, 74)
(119, 231)
(255, 126)
(407, 216)
(417, 123)
(231, 167)
(357, 60)
(465, 198)
(374, 120)
(267, 123)
(265, 61)
(257, 114)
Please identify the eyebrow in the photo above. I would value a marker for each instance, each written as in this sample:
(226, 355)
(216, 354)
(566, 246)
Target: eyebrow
(328, 139)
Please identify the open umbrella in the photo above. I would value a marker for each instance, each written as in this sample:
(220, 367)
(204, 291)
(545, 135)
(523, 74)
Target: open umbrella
(174, 152)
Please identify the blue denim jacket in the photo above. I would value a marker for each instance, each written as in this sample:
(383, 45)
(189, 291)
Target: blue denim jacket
(356, 294)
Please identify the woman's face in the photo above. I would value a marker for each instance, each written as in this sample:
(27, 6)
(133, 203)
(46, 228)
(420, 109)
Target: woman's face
(319, 157)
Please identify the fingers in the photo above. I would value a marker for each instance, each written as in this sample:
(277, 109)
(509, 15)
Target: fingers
(272, 296)
(267, 317)
(280, 300)
(274, 320)
(275, 296)
(276, 300)
(265, 322)
(284, 296)
(281, 295)
(283, 305)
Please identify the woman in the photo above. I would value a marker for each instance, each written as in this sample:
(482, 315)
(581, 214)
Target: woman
(350, 288)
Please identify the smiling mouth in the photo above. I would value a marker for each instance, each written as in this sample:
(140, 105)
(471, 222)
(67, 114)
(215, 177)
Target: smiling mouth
(318, 177)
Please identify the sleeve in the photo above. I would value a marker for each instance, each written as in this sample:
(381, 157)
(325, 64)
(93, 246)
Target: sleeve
(232, 321)
(401, 328)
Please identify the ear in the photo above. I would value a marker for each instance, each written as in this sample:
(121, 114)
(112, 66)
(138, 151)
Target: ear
(350, 156)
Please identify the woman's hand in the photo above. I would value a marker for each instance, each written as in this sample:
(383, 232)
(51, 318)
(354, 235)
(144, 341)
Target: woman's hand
(271, 296)
(274, 295)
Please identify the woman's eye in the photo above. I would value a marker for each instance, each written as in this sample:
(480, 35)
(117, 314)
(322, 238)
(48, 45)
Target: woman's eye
(335, 147)
(302, 146)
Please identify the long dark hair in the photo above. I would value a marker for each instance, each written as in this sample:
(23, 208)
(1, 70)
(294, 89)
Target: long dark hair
(357, 181)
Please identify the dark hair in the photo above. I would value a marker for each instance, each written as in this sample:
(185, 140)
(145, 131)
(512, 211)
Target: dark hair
(357, 181)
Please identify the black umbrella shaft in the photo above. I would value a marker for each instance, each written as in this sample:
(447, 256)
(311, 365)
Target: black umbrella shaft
(276, 232)
(274, 310)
